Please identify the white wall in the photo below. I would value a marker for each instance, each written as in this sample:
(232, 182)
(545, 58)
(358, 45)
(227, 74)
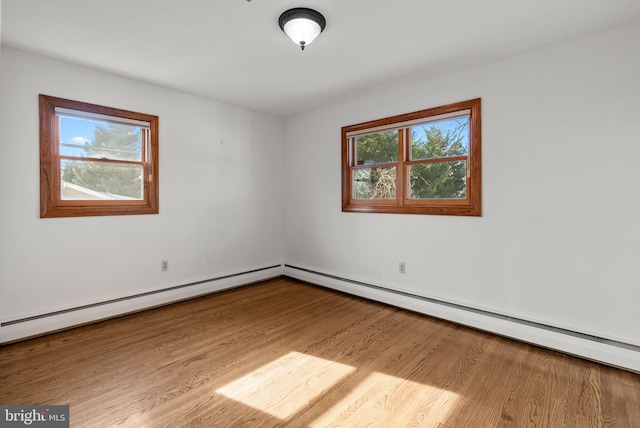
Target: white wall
(220, 197)
(558, 242)
(0, 28)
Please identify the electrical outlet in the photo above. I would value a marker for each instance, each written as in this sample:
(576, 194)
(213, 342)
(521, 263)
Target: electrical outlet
(402, 267)
(164, 265)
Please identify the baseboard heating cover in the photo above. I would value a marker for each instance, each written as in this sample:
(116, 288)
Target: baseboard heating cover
(27, 326)
(611, 352)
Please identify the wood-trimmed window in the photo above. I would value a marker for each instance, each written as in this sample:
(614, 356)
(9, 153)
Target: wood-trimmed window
(425, 162)
(96, 160)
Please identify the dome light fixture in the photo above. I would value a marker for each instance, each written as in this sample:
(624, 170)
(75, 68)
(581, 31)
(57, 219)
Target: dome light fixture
(302, 25)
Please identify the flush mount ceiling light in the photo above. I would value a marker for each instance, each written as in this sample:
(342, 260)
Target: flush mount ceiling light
(302, 25)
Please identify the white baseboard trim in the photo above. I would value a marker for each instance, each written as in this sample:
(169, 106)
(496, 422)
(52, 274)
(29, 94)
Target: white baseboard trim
(609, 352)
(19, 328)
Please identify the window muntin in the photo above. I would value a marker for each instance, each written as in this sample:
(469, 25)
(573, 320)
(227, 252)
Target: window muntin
(96, 160)
(426, 162)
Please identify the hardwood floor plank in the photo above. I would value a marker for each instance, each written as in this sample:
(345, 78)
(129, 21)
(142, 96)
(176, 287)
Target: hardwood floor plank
(285, 353)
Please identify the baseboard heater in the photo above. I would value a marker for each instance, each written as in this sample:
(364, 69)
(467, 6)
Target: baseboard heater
(133, 296)
(458, 307)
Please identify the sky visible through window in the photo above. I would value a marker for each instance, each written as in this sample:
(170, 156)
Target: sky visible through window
(76, 132)
(448, 125)
(78, 137)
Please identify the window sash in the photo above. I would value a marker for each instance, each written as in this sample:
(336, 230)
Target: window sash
(145, 151)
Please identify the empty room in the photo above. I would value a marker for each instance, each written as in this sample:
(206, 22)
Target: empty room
(265, 213)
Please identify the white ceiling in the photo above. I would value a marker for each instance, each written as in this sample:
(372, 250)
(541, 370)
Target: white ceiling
(233, 51)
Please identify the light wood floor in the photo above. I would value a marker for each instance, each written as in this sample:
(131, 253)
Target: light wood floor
(283, 353)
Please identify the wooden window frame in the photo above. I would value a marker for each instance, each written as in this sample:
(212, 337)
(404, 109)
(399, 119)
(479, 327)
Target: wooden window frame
(51, 202)
(470, 206)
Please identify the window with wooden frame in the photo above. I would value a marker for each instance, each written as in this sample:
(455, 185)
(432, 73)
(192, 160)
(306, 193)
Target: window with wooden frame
(425, 162)
(96, 160)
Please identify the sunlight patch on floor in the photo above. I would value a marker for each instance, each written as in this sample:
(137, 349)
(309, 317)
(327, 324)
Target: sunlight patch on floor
(284, 387)
(382, 400)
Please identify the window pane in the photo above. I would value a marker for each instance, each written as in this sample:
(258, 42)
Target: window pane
(86, 180)
(381, 147)
(439, 180)
(100, 139)
(374, 183)
(445, 138)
